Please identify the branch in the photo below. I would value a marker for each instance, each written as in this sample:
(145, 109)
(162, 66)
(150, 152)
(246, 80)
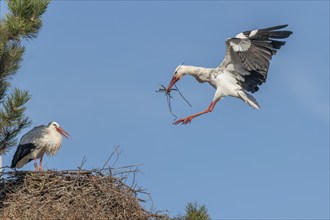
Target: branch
(12, 119)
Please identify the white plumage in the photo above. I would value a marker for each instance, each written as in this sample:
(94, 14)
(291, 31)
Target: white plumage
(35, 143)
(243, 69)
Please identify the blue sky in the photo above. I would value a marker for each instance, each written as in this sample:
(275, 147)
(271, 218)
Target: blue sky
(95, 66)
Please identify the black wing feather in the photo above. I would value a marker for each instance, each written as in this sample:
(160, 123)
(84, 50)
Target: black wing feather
(21, 152)
(274, 27)
(256, 58)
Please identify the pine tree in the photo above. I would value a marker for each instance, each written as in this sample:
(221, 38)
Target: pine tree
(194, 212)
(23, 21)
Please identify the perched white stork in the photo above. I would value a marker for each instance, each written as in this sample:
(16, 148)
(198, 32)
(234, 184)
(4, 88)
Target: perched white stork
(243, 69)
(35, 143)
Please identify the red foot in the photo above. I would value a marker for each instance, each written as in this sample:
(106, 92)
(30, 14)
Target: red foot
(184, 121)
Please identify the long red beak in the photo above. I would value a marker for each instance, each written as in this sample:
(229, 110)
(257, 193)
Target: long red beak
(63, 132)
(173, 81)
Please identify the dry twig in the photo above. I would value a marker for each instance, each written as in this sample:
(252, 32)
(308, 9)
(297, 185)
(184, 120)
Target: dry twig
(169, 97)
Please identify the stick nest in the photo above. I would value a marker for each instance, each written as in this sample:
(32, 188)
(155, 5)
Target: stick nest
(70, 194)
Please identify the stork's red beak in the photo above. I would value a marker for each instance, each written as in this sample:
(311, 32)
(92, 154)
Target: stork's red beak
(63, 132)
(175, 78)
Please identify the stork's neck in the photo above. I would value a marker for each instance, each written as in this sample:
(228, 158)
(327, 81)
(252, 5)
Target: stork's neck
(202, 74)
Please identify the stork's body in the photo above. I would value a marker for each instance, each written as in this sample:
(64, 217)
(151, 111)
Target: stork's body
(244, 68)
(34, 144)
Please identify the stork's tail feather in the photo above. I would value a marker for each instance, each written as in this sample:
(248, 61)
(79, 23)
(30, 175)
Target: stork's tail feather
(249, 99)
(21, 155)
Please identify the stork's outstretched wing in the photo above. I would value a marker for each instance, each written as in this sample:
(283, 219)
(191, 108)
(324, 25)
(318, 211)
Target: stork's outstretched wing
(249, 53)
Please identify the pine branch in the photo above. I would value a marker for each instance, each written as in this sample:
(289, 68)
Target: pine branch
(22, 22)
(10, 59)
(195, 211)
(3, 88)
(24, 19)
(12, 119)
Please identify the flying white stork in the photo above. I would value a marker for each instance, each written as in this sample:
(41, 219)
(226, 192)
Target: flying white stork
(35, 143)
(243, 69)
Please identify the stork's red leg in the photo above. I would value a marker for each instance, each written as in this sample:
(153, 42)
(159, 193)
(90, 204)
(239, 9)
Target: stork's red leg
(36, 164)
(40, 168)
(191, 117)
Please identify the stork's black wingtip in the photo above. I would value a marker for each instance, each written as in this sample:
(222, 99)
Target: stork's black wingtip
(275, 27)
(282, 26)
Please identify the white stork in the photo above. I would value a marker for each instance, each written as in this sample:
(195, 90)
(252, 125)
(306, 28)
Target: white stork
(243, 69)
(35, 143)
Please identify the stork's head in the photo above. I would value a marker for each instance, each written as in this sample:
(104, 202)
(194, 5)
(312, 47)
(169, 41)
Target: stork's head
(178, 73)
(54, 125)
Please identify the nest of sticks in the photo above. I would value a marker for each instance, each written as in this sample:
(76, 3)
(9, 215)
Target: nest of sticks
(69, 194)
(73, 194)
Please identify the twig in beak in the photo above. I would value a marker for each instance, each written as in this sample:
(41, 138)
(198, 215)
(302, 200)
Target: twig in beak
(177, 89)
(168, 97)
(163, 89)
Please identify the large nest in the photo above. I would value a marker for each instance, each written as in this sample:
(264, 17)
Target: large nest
(70, 194)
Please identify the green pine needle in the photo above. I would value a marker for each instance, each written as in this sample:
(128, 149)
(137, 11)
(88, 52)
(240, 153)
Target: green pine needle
(22, 22)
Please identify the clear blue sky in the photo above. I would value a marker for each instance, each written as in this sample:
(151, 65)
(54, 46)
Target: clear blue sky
(95, 67)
